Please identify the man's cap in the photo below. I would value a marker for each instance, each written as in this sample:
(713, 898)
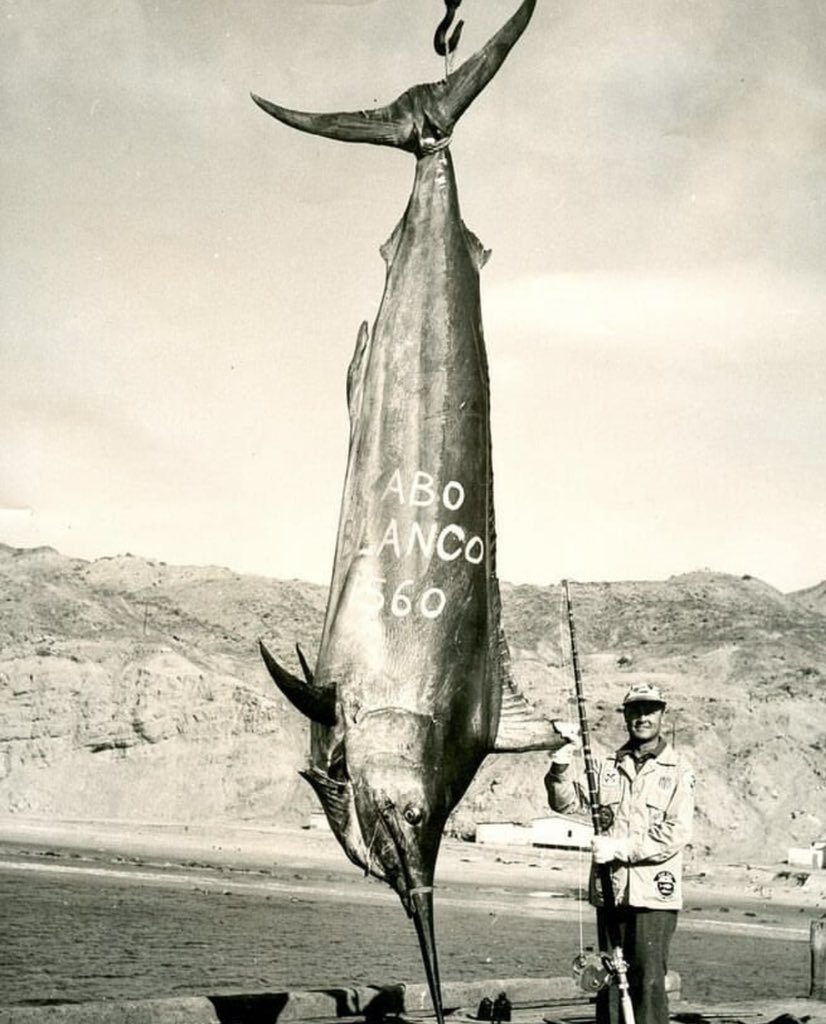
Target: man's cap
(643, 692)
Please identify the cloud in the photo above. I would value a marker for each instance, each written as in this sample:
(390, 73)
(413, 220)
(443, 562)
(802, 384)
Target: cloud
(680, 417)
(726, 313)
(187, 277)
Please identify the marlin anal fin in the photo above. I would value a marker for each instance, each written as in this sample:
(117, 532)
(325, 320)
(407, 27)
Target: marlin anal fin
(390, 247)
(318, 703)
(340, 808)
(522, 727)
(423, 116)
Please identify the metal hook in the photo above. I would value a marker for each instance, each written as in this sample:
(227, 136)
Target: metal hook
(441, 44)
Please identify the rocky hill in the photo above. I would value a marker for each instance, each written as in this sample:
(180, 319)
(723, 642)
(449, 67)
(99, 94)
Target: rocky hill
(132, 689)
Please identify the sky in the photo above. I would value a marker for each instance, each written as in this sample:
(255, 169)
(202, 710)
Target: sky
(183, 278)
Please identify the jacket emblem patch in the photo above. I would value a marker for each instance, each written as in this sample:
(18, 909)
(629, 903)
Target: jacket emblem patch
(606, 818)
(665, 883)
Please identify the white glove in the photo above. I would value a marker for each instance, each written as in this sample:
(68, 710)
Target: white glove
(607, 849)
(569, 732)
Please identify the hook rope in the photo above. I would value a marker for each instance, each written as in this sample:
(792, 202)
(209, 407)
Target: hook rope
(443, 46)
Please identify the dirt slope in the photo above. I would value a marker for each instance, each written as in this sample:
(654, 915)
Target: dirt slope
(131, 689)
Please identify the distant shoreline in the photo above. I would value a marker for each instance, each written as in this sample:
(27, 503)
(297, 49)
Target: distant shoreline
(264, 846)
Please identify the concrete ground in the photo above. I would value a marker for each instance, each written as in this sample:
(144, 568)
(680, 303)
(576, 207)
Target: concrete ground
(535, 1001)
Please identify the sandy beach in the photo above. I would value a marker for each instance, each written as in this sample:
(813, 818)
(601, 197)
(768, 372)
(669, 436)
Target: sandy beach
(257, 846)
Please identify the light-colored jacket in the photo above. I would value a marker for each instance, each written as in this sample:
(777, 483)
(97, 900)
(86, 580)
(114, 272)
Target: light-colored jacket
(652, 809)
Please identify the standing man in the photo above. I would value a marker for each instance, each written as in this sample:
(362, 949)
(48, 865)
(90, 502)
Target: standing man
(646, 797)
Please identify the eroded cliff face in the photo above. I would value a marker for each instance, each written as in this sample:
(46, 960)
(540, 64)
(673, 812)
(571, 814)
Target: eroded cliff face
(130, 689)
(141, 732)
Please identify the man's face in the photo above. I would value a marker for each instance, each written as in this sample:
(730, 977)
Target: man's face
(644, 720)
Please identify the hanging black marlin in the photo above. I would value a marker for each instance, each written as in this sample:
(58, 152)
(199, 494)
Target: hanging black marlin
(412, 687)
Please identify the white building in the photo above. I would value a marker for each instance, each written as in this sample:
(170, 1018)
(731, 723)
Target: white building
(559, 830)
(555, 830)
(813, 856)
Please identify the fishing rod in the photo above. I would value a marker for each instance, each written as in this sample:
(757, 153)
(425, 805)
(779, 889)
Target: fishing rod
(615, 961)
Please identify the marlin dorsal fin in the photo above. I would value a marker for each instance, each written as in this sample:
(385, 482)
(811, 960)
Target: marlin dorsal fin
(318, 703)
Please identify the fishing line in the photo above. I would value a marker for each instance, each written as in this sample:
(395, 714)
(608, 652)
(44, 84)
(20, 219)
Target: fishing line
(369, 851)
(580, 900)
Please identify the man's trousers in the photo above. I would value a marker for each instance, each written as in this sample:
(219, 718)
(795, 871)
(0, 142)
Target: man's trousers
(645, 936)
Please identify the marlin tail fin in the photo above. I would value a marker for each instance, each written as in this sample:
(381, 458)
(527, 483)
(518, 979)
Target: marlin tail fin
(424, 115)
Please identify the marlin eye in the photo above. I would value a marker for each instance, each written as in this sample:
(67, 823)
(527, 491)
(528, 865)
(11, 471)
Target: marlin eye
(412, 814)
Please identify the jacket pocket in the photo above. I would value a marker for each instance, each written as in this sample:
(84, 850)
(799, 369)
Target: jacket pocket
(656, 815)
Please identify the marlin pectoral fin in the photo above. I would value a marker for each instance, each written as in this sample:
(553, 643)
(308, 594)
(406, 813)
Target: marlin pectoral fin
(522, 727)
(340, 808)
(316, 702)
(305, 668)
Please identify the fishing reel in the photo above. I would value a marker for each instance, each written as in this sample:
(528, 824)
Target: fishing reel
(591, 972)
